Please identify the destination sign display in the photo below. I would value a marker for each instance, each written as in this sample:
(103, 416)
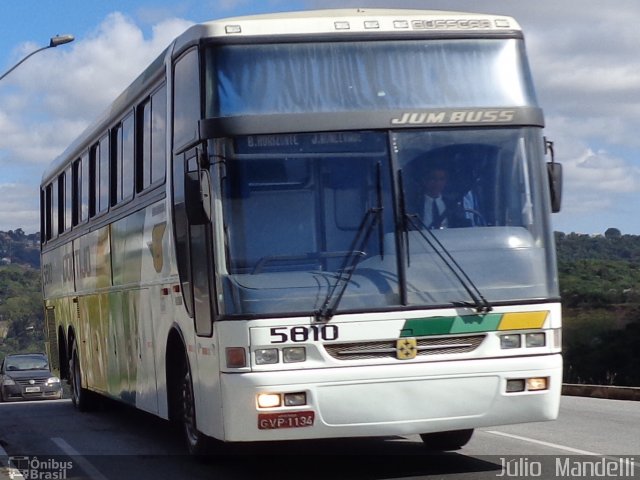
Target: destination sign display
(325, 142)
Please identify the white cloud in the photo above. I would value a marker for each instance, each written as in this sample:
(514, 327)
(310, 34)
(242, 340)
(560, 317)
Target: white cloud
(52, 97)
(56, 94)
(19, 207)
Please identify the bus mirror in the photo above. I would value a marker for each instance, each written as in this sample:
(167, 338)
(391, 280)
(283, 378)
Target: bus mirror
(197, 190)
(554, 171)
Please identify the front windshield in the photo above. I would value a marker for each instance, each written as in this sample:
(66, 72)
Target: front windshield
(481, 197)
(300, 210)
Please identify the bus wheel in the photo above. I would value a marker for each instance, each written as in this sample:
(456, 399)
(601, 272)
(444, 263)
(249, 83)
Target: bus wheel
(80, 397)
(197, 443)
(445, 441)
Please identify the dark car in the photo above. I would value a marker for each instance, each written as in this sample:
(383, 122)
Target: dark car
(26, 376)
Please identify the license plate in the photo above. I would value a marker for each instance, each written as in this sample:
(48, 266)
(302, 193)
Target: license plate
(270, 421)
(31, 389)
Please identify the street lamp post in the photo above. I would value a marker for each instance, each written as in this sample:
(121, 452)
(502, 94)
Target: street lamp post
(55, 41)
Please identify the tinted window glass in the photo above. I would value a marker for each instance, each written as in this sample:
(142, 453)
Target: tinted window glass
(186, 99)
(103, 181)
(158, 134)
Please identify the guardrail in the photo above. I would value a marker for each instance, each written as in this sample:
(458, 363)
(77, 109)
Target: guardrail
(601, 391)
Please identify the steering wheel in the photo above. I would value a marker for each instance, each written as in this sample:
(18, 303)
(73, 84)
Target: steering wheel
(476, 217)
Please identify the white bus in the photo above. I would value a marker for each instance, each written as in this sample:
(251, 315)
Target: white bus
(246, 242)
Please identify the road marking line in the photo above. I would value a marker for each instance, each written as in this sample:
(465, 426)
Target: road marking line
(546, 444)
(89, 469)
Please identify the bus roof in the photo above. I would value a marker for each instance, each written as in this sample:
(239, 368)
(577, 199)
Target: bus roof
(352, 20)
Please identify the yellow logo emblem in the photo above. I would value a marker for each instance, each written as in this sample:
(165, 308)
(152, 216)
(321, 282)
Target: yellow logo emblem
(406, 348)
(155, 246)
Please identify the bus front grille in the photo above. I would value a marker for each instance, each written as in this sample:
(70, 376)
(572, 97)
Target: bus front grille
(388, 348)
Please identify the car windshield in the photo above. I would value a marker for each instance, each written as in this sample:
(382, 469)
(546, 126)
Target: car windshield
(26, 362)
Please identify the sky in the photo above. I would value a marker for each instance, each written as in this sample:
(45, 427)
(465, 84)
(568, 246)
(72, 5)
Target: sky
(584, 59)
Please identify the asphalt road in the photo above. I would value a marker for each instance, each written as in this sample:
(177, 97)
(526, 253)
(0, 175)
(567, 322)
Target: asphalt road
(118, 443)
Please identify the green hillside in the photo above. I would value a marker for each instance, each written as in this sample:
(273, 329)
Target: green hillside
(600, 287)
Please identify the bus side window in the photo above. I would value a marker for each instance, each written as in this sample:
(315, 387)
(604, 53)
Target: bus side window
(186, 101)
(81, 189)
(68, 199)
(158, 134)
(99, 172)
(93, 179)
(152, 135)
(51, 210)
(122, 166)
(103, 183)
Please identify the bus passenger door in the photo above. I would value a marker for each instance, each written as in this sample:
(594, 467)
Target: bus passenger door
(190, 183)
(191, 197)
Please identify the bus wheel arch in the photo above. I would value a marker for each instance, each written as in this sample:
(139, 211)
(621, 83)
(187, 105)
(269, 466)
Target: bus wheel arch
(180, 395)
(82, 398)
(175, 353)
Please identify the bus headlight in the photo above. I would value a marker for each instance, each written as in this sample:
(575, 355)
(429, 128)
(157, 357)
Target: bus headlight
(294, 354)
(266, 356)
(510, 341)
(533, 340)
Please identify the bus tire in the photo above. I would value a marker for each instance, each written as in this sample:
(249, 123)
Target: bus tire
(80, 397)
(446, 441)
(198, 444)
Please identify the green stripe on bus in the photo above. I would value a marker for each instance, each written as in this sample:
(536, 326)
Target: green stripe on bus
(419, 327)
(476, 323)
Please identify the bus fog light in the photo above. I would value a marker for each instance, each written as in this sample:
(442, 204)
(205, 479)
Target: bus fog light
(294, 354)
(540, 383)
(510, 341)
(515, 385)
(533, 340)
(236, 357)
(269, 400)
(295, 399)
(266, 356)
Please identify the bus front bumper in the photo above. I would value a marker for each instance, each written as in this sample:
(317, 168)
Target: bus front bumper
(402, 399)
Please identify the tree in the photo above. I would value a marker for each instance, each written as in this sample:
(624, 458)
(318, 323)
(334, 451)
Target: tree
(612, 233)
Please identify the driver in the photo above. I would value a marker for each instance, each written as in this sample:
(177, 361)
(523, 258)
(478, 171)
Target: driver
(439, 211)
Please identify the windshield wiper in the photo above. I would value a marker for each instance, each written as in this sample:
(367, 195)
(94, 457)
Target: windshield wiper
(371, 218)
(480, 303)
(331, 301)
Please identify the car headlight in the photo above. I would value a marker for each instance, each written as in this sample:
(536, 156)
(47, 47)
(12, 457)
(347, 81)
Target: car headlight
(52, 380)
(8, 381)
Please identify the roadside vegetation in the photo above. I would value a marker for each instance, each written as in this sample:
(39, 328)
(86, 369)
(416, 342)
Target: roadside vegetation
(600, 288)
